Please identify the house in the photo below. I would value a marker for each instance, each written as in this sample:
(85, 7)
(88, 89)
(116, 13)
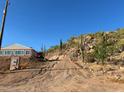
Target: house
(17, 50)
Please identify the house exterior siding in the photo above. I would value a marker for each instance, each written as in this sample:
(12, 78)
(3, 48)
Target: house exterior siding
(18, 51)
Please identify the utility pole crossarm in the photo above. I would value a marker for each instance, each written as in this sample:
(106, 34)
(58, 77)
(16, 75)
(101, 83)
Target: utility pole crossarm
(3, 22)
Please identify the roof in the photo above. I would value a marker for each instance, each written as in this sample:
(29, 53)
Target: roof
(16, 46)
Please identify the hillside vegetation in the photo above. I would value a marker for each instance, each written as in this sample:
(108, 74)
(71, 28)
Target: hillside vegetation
(100, 47)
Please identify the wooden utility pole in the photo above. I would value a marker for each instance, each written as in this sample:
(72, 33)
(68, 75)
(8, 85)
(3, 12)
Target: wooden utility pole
(3, 22)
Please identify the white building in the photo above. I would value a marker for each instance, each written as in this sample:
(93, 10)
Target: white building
(17, 50)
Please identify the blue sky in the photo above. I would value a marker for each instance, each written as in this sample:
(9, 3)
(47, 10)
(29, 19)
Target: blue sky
(37, 22)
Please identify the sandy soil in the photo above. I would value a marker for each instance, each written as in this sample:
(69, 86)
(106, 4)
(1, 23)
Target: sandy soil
(65, 76)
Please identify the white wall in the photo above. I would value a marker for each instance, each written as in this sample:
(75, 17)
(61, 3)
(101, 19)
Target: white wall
(15, 52)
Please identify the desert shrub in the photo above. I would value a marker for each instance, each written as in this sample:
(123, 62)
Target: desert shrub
(90, 57)
(100, 52)
(111, 50)
(74, 55)
(53, 48)
(120, 45)
(73, 42)
(121, 32)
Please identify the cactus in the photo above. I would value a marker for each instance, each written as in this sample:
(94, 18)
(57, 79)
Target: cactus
(82, 48)
(43, 50)
(61, 45)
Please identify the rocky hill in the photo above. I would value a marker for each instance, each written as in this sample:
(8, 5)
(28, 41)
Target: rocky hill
(92, 62)
(97, 47)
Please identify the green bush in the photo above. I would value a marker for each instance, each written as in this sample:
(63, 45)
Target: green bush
(100, 52)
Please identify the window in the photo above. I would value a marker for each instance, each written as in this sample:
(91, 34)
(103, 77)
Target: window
(21, 52)
(7, 52)
(1, 52)
(17, 52)
(27, 52)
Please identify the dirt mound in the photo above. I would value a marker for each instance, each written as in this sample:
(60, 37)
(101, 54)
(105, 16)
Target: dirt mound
(63, 76)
